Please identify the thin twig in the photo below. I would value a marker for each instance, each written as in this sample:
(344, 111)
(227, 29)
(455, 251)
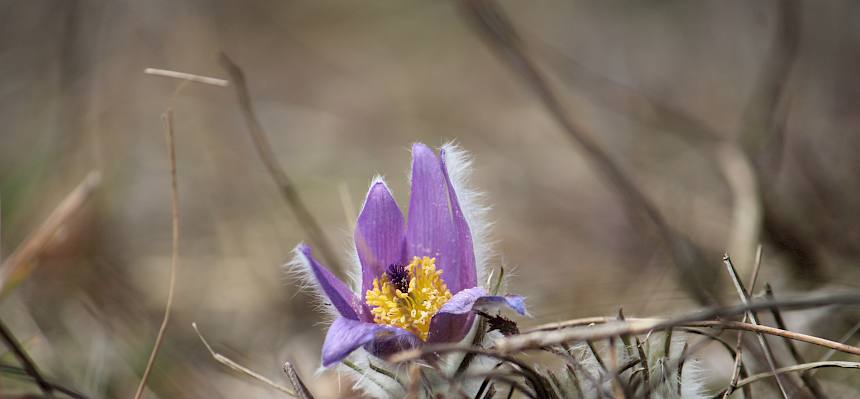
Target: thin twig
(174, 257)
(23, 259)
(186, 76)
(535, 380)
(26, 362)
(753, 317)
(22, 373)
(646, 375)
(264, 149)
(843, 339)
(801, 368)
(298, 386)
(807, 378)
(240, 368)
(736, 365)
(738, 362)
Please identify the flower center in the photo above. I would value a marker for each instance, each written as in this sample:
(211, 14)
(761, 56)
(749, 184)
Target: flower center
(399, 277)
(409, 296)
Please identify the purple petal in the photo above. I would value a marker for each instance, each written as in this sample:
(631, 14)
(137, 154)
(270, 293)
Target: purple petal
(429, 231)
(342, 298)
(345, 336)
(380, 234)
(453, 321)
(462, 261)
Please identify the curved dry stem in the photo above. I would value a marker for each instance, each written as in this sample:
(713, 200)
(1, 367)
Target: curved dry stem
(174, 258)
(799, 368)
(240, 368)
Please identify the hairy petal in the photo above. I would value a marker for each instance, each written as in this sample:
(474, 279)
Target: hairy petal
(346, 335)
(429, 231)
(462, 257)
(342, 298)
(453, 321)
(380, 234)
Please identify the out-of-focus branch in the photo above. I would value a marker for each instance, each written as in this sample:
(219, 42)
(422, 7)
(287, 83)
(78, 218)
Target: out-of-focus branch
(22, 261)
(23, 358)
(22, 373)
(499, 33)
(264, 149)
(633, 102)
(762, 137)
(761, 113)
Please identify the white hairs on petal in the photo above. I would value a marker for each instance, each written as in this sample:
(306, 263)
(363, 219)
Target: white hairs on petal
(370, 382)
(692, 382)
(459, 165)
(299, 270)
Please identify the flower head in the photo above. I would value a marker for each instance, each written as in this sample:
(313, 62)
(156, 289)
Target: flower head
(419, 278)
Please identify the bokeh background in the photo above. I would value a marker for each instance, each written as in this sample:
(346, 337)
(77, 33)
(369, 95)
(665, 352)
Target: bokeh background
(668, 88)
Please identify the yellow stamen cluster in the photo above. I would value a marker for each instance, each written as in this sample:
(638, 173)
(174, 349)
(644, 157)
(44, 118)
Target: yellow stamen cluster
(410, 310)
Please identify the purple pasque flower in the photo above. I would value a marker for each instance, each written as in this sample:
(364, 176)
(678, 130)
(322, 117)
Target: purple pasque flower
(419, 278)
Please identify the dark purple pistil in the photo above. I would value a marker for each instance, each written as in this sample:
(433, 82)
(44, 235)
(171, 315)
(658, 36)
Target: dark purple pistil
(399, 277)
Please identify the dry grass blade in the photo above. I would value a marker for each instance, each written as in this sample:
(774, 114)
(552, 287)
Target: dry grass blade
(186, 76)
(240, 368)
(799, 368)
(751, 315)
(174, 257)
(264, 149)
(843, 339)
(22, 261)
(299, 386)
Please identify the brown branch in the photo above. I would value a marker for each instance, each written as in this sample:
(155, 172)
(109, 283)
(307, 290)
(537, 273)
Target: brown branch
(264, 150)
(500, 34)
(22, 261)
(174, 257)
(702, 318)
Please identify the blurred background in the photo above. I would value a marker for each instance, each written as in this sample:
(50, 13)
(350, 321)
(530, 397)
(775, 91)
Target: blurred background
(737, 120)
